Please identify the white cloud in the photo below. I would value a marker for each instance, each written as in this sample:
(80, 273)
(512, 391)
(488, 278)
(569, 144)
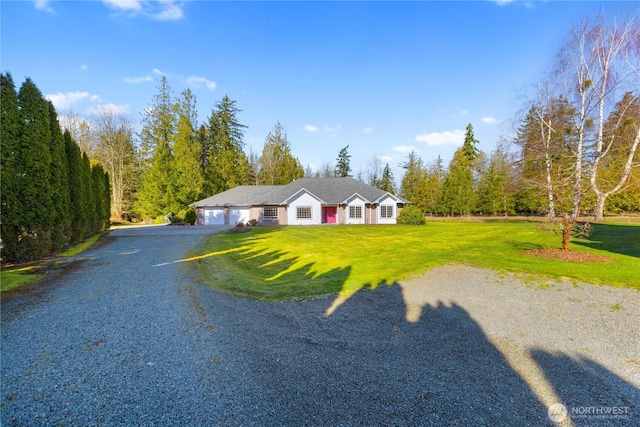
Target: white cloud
(385, 159)
(63, 101)
(310, 128)
(455, 137)
(502, 2)
(197, 81)
(134, 80)
(84, 67)
(158, 72)
(404, 148)
(368, 131)
(125, 5)
(159, 10)
(170, 11)
(113, 108)
(95, 98)
(328, 128)
(489, 120)
(43, 5)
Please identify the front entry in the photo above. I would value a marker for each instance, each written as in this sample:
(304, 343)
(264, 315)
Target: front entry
(329, 214)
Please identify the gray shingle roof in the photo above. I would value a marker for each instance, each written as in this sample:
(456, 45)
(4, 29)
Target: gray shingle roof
(332, 191)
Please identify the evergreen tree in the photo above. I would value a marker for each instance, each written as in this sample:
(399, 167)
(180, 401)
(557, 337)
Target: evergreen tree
(157, 193)
(227, 164)
(189, 176)
(59, 169)
(469, 147)
(433, 186)
(88, 197)
(76, 188)
(41, 174)
(343, 163)
(33, 168)
(276, 164)
(497, 185)
(386, 182)
(458, 195)
(9, 166)
(414, 182)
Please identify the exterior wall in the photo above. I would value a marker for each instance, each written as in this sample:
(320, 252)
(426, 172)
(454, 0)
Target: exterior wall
(372, 214)
(342, 215)
(199, 216)
(302, 200)
(256, 213)
(356, 201)
(387, 201)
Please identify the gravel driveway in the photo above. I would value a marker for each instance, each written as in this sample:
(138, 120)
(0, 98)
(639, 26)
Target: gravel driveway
(125, 339)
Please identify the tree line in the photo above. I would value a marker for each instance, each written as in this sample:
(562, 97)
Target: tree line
(52, 195)
(575, 150)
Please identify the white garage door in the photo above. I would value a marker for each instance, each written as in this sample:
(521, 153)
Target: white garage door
(237, 215)
(213, 216)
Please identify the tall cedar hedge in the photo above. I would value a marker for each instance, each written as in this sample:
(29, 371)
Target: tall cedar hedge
(51, 196)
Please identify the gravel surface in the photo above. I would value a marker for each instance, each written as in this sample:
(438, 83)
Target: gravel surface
(124, 338)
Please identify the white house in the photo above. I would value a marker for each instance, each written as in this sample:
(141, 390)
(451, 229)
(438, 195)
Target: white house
(306, 201)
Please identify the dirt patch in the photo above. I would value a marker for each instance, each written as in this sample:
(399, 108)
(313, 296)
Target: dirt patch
(572, 256)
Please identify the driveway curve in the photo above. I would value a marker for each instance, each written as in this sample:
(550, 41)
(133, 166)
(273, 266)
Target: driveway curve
(125, 338)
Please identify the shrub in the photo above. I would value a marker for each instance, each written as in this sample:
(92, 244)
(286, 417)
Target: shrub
(411, 215)
(252, 222)
(190, 216)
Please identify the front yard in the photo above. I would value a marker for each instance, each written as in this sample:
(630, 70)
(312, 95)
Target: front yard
(291, 263)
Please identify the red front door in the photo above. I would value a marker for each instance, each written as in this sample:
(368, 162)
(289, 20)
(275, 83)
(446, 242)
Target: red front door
(330, 214)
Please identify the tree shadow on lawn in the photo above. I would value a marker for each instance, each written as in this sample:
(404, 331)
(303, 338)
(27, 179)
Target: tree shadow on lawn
(621, 239)
(276, 275)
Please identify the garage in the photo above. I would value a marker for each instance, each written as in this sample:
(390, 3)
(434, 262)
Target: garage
(214, 216)
(238, 214)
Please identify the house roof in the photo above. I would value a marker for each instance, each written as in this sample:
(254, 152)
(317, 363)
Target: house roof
(332, 191)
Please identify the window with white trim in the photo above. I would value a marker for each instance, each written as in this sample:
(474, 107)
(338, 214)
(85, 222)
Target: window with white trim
(355, 212)
(386, 211)
(270, 212)
(303, 212)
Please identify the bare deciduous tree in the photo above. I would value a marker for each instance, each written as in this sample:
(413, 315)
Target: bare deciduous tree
(599, 62)
(115, 150)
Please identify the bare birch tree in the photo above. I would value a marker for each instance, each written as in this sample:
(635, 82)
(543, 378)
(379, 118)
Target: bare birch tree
(597, 64)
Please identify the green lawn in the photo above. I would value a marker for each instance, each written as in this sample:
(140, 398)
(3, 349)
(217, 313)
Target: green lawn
(14, 277)
(288, 263)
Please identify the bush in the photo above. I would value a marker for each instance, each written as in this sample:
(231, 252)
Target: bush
(411, 215)
(190, 216)
(252, 222)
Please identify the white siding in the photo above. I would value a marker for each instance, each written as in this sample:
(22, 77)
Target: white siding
(355, 202)
(213, 216)
(387, 201)
(238, 214)
(304, 199)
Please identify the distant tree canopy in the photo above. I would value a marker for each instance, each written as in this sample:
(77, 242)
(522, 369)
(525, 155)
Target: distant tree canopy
(51, 195)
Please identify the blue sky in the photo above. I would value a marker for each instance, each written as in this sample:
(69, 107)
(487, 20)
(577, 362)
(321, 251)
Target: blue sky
(381, 77)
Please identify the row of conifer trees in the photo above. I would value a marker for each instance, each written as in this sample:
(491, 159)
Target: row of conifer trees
(51, 194)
